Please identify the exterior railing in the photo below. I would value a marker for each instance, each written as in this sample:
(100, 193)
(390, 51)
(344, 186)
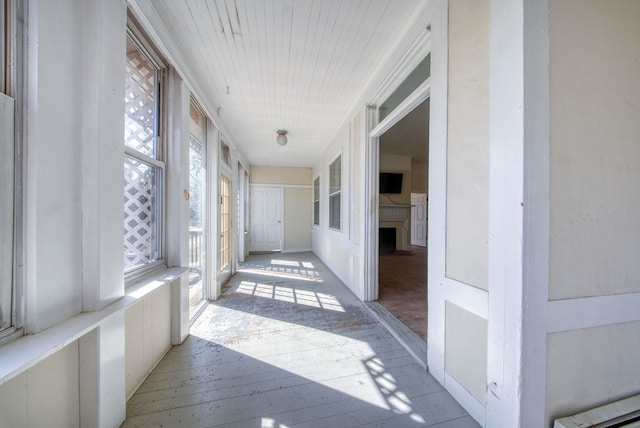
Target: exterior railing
(195, 248)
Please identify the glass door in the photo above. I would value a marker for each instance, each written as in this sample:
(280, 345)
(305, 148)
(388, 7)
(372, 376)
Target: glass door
(225, 223)
(197, 224)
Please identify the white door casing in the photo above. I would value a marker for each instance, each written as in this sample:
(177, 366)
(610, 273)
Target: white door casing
(266, 219)
(419, 219)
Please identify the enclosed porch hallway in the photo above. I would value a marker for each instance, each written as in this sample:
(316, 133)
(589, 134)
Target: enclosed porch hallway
(288, 345)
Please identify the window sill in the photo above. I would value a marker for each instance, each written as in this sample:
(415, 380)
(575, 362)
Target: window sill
(25, 352)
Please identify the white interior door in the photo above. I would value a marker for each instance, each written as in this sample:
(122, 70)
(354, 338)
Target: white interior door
(419, 219)
(266, 219)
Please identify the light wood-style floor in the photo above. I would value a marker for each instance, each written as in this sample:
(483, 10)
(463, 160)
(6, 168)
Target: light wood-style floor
(402, 280)
(288, 345)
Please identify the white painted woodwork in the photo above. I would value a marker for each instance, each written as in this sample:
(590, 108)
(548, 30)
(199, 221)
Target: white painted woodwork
(419, 219)
(507, 222)
(266, 218)
(294, 65)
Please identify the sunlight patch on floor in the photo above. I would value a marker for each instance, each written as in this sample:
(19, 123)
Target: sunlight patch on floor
(286, 273)
(289, 294)
(396, 400)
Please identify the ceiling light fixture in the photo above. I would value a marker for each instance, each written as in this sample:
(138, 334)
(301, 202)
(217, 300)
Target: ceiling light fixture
(282, 137)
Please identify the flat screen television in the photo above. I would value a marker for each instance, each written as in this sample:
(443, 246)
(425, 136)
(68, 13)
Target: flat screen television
(390, 182)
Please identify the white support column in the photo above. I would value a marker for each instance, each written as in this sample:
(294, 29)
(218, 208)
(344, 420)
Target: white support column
(536, 212)
(102, 152)
(177, 212)
(438, 191)
(370, 211)
(506, 201)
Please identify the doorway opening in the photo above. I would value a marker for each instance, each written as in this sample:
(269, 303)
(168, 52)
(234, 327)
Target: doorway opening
(402, 246)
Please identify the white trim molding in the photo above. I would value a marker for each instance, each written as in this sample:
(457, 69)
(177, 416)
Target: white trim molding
(588, 312)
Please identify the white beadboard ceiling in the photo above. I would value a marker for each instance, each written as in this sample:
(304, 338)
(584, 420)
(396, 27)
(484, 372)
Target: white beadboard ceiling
(298, 65)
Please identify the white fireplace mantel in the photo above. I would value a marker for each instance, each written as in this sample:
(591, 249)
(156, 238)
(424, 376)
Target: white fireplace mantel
(396, 216)
(394, 212)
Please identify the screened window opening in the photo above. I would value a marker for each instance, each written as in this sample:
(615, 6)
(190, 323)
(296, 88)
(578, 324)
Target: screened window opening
(419, 74)
(335, 193)
(316, 201)
(143, 165)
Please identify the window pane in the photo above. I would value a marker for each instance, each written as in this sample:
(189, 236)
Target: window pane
(316, 212)
(316, 189)
(334, 211)
(225, 222)
(7, 141)
(140, 103)
(3, 46)
(225, 154)
(142, 193)
(335, 175)
(410, 84)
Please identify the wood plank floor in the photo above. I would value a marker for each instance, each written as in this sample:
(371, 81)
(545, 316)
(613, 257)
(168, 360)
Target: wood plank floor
(402, 291)
(288, 345)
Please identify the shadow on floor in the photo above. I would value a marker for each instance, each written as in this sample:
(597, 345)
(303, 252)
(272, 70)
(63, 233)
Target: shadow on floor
(288, 345)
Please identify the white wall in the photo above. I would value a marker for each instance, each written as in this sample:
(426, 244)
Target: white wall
(595, 155)
(419, 177)
(594, 226)
(337, 248)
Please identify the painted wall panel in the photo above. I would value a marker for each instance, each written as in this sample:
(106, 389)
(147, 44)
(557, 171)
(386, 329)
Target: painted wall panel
(147, 336)
(297, 218)
(335, 247)
(47, 395)
(466, 350)
(590, 367)
(13, 402)
(280, 175)
(595, 155)
(468, 143)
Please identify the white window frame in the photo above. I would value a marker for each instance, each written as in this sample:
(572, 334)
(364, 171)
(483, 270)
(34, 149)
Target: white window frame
(337, 193)
(316, 200)
(156, 160)
(11, 171)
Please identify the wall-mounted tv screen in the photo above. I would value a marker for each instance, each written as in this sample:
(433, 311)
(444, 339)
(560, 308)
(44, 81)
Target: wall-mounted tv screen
(390, 182)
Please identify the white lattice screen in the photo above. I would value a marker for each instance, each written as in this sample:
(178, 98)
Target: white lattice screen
(141, 179)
